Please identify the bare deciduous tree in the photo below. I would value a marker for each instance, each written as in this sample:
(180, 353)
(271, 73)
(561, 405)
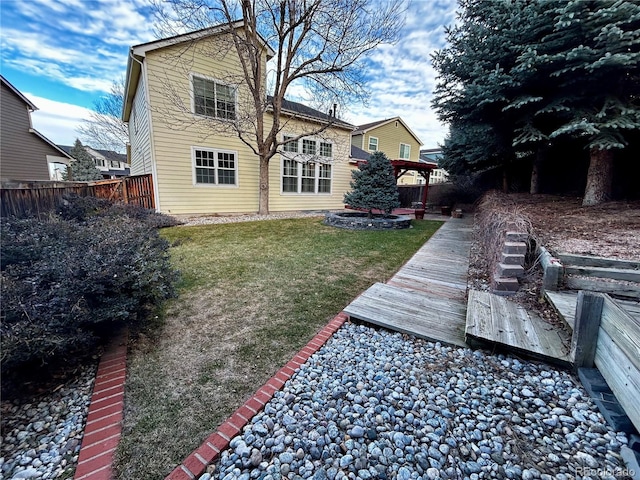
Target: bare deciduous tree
(317, 46)
(104, 128)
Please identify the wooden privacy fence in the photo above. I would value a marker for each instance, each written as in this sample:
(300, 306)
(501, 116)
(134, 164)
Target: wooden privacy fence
(37, 197)
(609, 337)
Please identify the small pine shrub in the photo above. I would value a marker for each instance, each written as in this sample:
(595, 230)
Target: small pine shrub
(74, 277)
(373, 186)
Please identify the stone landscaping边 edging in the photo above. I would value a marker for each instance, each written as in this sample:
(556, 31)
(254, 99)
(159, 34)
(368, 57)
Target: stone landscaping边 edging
(361, 221)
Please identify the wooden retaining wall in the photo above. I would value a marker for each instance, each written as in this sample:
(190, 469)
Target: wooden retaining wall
(21, 198)
(616, 350)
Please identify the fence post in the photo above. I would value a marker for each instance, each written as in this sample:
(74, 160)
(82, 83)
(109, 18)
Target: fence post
(585, 329)
(125, 192)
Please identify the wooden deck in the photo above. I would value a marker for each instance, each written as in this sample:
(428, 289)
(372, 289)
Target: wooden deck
(426, 297)
(565, 304)
(495, 320)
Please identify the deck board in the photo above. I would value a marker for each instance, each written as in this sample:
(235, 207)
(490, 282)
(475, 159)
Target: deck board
(565, 304)
(427, 296)
(411, 312)
(492, 319)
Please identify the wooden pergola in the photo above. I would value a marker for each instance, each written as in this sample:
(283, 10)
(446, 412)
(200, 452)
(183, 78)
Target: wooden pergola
(400, 167)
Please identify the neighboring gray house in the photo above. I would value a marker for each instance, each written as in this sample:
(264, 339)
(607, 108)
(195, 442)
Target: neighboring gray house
(25, 154)
(111, 164)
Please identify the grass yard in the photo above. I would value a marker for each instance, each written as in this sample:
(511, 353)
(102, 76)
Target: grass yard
(251, 295)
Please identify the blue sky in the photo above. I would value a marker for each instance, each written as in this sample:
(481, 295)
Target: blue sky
(64, 54)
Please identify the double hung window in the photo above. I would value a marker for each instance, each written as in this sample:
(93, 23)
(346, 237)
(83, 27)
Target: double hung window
(213, 99)
(214, 167)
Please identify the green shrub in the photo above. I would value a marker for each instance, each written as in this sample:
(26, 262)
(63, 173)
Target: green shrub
(74, 277)
(373, 186)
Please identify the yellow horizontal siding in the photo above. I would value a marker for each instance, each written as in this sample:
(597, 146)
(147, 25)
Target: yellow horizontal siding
(176, 131)
(390, 137)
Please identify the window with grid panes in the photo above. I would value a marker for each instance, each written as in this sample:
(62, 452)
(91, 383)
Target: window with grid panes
(324, 178)
(214, 99)
(308, 178)
(290, 146)
(326, 149)
(214, 167)
(290, 176)
(308, 146)
(373, 144)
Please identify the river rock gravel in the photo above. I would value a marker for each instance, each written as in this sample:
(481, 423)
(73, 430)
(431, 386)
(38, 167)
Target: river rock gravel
(372, 404)
(41, 439)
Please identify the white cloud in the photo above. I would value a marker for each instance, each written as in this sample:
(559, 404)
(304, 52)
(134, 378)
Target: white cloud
(57, 121)
(402, 78)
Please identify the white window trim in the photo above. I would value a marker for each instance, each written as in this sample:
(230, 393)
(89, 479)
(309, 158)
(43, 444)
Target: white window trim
(216, 151)
(317, 159)
(400, 151)
(192, 95)
(369, 144)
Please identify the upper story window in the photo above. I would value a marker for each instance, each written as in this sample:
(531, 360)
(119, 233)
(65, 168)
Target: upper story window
(405, 151)
(98, 161)
(114, 164)
(214, 99)
(214, 167)
(373, 144)
(290, 146)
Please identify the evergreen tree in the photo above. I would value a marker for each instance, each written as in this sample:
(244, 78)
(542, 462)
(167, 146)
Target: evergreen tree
(517, 75)
(83, 168)
(373, 186)
(591, 60)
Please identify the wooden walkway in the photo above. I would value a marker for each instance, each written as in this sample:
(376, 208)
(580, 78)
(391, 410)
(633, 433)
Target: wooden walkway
(427, 296)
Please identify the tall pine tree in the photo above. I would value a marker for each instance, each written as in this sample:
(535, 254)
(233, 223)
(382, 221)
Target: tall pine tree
(517, 75)
(373, 186)
(83, 168)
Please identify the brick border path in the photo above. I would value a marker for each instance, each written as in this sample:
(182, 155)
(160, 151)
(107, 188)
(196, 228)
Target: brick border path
(104, 420)
(103, 427)
(196, 463)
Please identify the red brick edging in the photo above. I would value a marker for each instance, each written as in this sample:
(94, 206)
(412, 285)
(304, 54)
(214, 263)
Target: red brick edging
(196, 463)
(104, 420)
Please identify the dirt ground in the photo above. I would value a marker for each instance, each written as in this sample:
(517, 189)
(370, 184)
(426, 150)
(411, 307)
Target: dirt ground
(562, 225)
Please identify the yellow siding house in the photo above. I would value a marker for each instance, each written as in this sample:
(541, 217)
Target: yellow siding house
(175, 86)
(395, 139)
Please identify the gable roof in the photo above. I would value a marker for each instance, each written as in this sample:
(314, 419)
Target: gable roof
(108, 154)
(301, 110)
(362, 129)
(32, 108)
(18, 94)
(138, 52)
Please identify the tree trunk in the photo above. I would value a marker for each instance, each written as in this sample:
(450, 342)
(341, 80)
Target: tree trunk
(505, 180)
(534, 188)
(599, 177)
(263, 201)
